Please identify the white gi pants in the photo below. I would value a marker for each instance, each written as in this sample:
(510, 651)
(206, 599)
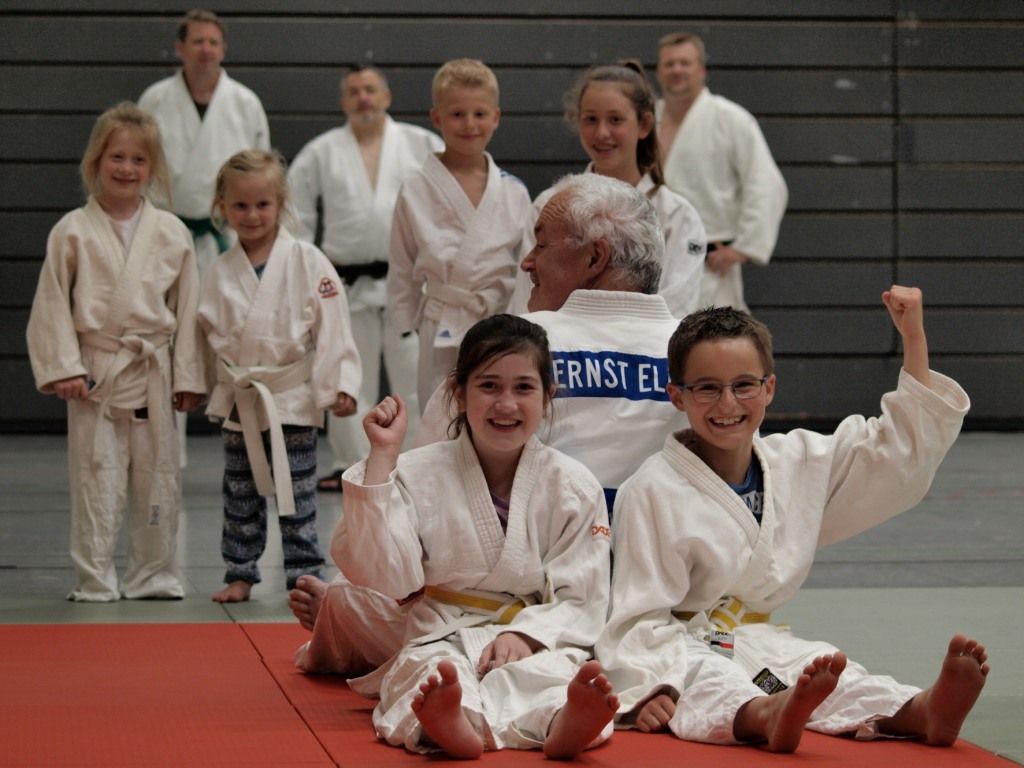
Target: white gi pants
(373, 334)
(356, 631)
(511, 707)
(435, 362)
(124, 476)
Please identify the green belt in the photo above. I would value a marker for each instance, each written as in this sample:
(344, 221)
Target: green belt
(200, 227)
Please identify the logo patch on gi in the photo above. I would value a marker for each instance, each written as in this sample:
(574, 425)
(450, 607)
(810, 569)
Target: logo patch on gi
(601, 530)
(694, 248)
(328, 288)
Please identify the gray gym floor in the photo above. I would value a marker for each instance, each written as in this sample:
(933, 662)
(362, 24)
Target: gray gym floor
(890, 598)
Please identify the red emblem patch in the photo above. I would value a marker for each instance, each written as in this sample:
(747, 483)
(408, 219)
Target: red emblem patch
(328, 288)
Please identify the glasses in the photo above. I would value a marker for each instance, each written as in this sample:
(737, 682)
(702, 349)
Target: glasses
(711, 392)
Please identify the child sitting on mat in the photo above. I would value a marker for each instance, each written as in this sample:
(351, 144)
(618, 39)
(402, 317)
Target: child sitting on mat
(720, 528)
(503, 544)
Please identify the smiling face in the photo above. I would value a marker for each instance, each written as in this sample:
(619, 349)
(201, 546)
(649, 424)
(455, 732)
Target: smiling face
(725, 428)
(467, 117)
(503, 400)
(610, 129)
(124, 170)
(251, 206)
(556, 266)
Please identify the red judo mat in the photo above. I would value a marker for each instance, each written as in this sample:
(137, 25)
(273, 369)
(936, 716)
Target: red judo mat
(227, 695)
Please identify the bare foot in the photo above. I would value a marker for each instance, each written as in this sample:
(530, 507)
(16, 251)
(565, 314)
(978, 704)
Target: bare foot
(780, 719)
(937, 713)
(590, 705)
(304, 599)
(235, 592)
(438, 707)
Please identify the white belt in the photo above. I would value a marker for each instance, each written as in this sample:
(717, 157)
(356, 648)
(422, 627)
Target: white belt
(128, 350)
(258, 383)
(445, 294)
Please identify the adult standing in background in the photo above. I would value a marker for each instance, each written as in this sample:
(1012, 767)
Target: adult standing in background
(356, 171)
(717, 158)
(205, 117)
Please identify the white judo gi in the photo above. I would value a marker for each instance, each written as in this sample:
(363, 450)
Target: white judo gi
(685, 248)
(125, 319)
(196, 148)
(452, 264)
(356, 231)
(721, 163)
(295, 316)
(433, 525)
(686, 543)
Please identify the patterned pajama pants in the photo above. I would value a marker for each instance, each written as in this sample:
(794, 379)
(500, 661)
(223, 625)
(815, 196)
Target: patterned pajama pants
(245, 511)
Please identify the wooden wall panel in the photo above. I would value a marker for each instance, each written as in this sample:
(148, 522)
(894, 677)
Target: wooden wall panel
(897, 125)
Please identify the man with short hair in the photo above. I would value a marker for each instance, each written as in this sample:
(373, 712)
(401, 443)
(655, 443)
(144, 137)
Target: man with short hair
(356, 171)
(715, 155)
(595, 270)
(205, 117)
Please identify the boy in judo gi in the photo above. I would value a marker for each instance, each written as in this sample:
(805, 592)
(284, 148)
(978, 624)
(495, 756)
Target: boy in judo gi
(720, 528)
(458, 227)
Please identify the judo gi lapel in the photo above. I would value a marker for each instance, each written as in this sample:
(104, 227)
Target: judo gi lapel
(133, 263)
(355, 166)
(390, 173)
(692, 132)
(186, 127)
(485, 519)
(263, 294)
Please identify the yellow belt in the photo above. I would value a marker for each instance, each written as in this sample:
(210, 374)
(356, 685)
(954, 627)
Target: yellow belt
(728, 615)
(502, 608)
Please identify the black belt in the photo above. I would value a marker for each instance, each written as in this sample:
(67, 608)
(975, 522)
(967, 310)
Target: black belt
(352, 272)
(712, 247)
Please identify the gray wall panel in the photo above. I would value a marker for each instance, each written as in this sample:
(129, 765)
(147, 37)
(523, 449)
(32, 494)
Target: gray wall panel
(335, 41)
(993, 383)
(978, 284)
(12, 332)
(815, 236)
(838, 188)
(977, 235)
(855, 331)
(830, 387)
(37, 185)
(29, 405)
(23, 235)
(799, 92)
(801, 284)
(974, 331)
(843, 142)
(962, 141)
(967, 46)
(963, 188)
(961, 93)
(18, 283)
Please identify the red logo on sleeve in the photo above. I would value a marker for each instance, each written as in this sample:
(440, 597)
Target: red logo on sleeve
(328, 288)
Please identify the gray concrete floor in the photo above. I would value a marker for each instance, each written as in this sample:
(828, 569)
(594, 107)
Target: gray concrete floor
(891, 598)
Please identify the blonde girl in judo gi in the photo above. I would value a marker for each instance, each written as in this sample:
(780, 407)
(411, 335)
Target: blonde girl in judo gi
(502, 545)
(277, 322)
(112, 332)
(612, 109)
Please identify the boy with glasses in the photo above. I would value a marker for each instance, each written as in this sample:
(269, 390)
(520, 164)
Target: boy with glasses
(720, 528)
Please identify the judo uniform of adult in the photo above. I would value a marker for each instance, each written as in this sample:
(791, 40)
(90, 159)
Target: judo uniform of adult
(685, 248)
(356, 221)
(284, 351)
(721, 163)
(452, 264)
(196, 148)
(397, 538)
(687, 548)
(110, 313)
